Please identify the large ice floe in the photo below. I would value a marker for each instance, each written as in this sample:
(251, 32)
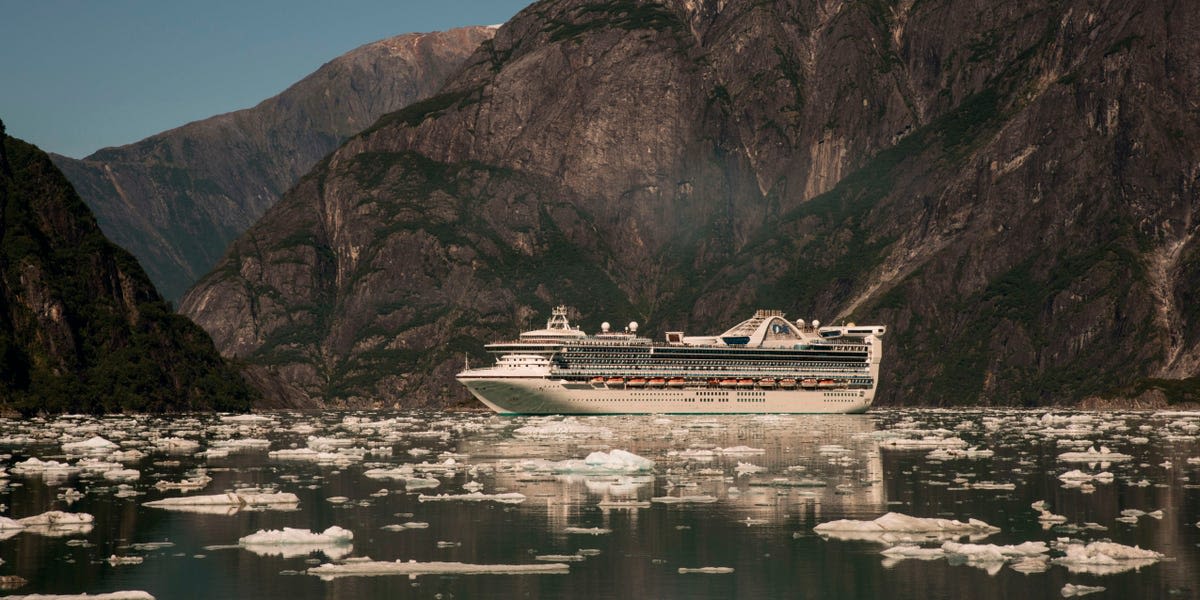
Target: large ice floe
(228, 503)
(894, 528)
(1103, 558)
(1092, 455)
(126, 595)
(368, 567)
(605, 463)
(334, 542)
(505, 498)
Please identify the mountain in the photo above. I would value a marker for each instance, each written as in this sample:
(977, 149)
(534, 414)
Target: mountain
(1012, 189)
(176, 199)
(81, 327)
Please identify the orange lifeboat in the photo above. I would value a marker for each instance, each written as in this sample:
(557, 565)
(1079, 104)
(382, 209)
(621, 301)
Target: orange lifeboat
(728, 383)
(597, 381)
(657, 382)
(636, 382)
(615, 381)
(676, 382)
(787, 382)
(745, 383)
(766, 382)
(826, 384)
(808, 383)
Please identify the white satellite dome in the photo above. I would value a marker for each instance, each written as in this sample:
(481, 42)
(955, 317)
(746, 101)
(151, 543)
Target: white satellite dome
(816, 323)
(605, 327)
(633, 326)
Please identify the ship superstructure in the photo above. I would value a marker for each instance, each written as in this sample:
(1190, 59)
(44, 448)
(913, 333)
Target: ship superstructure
(765, 364)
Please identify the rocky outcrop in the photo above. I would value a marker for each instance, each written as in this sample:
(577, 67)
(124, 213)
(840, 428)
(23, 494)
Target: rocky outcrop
(1010, 188)
(81, 327)
(176, 199)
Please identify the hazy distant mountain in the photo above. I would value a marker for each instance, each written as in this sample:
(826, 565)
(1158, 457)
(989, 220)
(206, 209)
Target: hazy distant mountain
(1012, 188)
(176, 199)
(81, 327)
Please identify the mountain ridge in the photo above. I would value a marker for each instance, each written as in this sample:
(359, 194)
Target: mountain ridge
(81, 327)
(177, 198)
(1008, 188)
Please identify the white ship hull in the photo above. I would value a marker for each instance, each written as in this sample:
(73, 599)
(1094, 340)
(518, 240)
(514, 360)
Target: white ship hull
(542, 396)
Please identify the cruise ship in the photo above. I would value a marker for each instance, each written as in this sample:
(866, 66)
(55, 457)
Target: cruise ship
(765, 364)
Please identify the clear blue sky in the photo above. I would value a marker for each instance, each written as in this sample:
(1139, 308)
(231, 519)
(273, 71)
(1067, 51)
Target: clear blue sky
(79, 75)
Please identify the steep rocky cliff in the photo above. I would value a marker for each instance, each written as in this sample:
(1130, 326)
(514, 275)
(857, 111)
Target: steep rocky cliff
(81, 327)
(176, 199)
(1010, 187)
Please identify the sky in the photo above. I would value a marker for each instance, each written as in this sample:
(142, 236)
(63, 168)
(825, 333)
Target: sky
(80, 75)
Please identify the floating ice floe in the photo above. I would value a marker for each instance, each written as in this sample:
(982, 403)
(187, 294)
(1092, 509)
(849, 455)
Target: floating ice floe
(368, 567)
(56, 518)
(1104, 558)
(562, 558)
(605, 463)
(176, 445)
(506, 498)
(741, 450)
(115, 560)
(1071, 590)
(893, 528)
(334, 542)
(125, 595)
(421, 483)
(744, 468)
(706, 570)
(1092, 455)
(994, 552)
(229, 502)
(93, 445)
(122, 475)
(36, 466)
(925, 443)
(702, 499)
(587, 530)
(401, 472)
(565, 428)
(404, 526)
(946, 453)
(190, 484)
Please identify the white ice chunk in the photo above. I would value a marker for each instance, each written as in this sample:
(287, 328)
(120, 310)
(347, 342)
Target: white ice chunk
(233, 500)
(1105, 558)
(1103, 455)
(334, 535)
(93, 445)
(124, 595)
(894, 527)
(741, 450)
(605, 463)
(707, 570)
(587, 530)
(507, 498)
(412, 568)
(702, 499)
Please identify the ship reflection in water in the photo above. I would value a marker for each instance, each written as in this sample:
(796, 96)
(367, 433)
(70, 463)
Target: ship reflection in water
(699, 506)
(754, 470)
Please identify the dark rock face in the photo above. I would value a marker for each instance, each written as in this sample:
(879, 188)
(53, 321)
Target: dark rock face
(1011, 189)
(81, 327)
(176, 199)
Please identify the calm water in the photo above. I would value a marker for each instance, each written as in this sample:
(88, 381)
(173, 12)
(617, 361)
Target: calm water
(814, 469)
